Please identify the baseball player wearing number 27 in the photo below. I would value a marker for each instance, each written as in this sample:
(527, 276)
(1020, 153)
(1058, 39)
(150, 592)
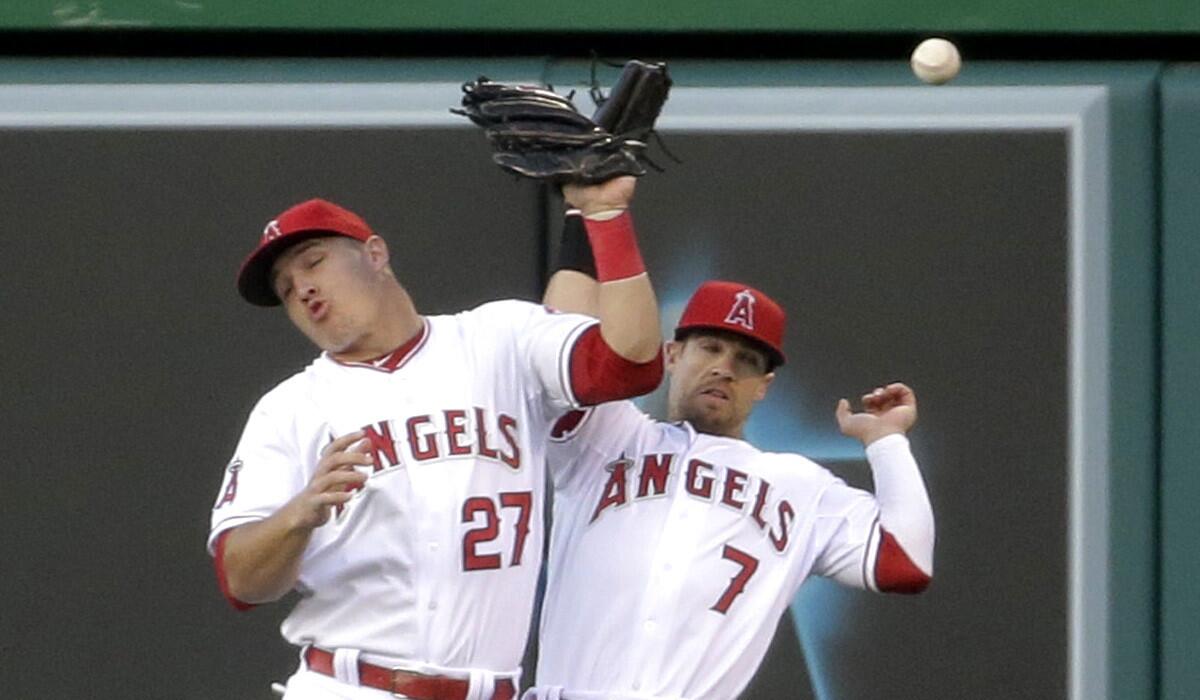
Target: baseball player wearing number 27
(397, 482)
(677, 546)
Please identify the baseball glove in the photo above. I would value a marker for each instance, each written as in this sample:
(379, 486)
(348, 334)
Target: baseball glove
(538, 133)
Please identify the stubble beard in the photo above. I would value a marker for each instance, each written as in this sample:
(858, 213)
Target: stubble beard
(708, 422)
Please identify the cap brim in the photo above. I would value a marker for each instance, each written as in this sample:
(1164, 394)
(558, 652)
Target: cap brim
(775, 356)
(254, 277)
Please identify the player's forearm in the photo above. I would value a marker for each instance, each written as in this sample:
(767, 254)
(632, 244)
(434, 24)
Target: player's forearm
(262, 559)
(628, 313)
(601, 272)
(905, 513)
(625, 301)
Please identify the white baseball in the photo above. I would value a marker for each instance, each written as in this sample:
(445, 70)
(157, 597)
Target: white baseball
(936, 61)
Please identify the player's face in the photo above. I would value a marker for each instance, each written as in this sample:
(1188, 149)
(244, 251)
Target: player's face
(330, 288)
(716, 378)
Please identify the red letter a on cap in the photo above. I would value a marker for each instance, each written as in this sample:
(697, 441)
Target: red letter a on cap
(742, 311)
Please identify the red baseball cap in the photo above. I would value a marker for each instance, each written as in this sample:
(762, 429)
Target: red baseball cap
(736, 308)
(306, 220)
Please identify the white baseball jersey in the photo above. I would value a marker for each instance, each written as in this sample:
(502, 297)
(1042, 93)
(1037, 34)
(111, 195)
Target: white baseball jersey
(673, 554)
(436, 559)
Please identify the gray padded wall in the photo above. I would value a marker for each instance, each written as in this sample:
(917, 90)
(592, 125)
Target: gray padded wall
(131, 365)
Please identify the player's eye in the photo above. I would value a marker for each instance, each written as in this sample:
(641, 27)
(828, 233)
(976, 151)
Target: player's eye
(750, 361)
(315, 260)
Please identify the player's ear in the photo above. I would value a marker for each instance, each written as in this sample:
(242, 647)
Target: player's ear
(760, 392)
(674, 349)
(377, 252)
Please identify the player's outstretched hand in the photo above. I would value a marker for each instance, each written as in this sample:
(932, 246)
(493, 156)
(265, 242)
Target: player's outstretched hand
(334, 481)
(609, 195)
(887, 410)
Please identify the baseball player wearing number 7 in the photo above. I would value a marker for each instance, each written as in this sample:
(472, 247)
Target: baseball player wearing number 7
(676, 546)
(397, 482)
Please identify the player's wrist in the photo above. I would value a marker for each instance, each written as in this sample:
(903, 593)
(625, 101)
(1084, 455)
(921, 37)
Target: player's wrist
(614, 246)
(872, 437)
(298, 518)
(604, 212)
(604, 200)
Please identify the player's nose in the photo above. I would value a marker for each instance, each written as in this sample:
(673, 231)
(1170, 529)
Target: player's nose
(722, 367)
(306, 291)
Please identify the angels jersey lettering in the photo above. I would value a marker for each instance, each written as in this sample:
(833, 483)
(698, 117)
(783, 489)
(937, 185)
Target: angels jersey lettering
(673, 554)
(435, 559)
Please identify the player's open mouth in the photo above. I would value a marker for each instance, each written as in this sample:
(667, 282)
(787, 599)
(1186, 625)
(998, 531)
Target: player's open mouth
(317, 310)
(715, 393)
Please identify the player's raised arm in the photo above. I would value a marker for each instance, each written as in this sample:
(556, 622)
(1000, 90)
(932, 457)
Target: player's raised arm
(604, 277)
(625, 301)
(904, 553)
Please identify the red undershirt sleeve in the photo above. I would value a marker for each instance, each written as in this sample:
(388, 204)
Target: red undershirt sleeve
(894, 571)
(222, 579)
(598, 374)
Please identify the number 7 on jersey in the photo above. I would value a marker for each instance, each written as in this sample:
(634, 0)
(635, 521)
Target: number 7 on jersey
(737, 584)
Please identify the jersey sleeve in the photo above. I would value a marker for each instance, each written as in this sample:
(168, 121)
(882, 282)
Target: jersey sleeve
(265, 472)
(565, 355)
(844, 529)
(538, 342)
(882, 541)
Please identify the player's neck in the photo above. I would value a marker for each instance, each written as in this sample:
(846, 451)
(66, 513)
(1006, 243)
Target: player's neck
(736, 432)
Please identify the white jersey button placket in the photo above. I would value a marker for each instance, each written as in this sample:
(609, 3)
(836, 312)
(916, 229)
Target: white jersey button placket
(661, 596)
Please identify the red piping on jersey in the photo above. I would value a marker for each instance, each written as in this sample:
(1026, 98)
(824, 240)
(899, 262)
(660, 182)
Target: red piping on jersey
(394, 360)
(894, 571)
(599, 374)
(222, 579)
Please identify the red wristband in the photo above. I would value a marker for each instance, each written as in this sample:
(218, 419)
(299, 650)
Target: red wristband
(615, 248)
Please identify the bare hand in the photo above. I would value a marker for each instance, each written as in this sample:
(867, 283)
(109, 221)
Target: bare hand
(334, 481)
(609, 195)
(886, 411)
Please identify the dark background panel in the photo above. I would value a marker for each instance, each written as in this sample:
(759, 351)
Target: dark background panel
(131, 364)
(783, 674)
(939, 260)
